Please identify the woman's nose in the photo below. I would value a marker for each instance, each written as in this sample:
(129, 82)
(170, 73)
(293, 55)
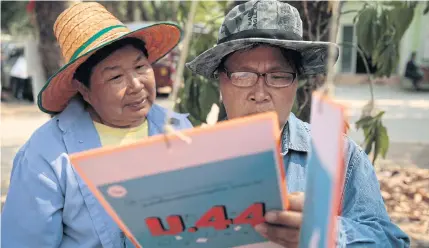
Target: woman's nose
(259, 93)
(134, 83)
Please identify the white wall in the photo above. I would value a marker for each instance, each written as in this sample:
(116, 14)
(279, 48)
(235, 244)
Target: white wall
(35, 69)
(424, 44)
(416, 38)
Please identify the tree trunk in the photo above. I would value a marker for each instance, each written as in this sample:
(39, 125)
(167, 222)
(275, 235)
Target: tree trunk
(131, 6)
(174, 8)
(156, 12)
(143, 12)
(46, 15)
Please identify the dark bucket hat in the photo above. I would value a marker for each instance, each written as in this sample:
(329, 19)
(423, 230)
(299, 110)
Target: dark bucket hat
(263, 21)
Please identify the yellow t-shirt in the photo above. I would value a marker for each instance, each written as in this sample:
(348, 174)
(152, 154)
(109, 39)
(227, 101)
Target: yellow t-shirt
(110, 136)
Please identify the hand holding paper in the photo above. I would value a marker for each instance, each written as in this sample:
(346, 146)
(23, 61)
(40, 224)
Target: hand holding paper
(184, 194)
(283, 227)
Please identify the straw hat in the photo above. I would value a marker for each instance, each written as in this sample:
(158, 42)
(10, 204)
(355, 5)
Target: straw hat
(84, 28)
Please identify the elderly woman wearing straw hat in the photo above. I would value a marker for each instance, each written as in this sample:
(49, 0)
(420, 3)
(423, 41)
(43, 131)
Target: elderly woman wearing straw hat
(258, 58)
(103, 96)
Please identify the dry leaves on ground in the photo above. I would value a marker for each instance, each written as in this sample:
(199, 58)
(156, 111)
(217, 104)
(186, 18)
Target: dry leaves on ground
(406, 195)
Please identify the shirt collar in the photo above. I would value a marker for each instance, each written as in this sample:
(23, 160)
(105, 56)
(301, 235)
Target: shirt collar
(75, 112)
(295, 135)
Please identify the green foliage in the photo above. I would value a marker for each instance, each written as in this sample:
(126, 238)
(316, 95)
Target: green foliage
(366, 31)
(198, 94)
(380, 28)
(376, 138)
(197, 97)
(14, 18)
(426, 10)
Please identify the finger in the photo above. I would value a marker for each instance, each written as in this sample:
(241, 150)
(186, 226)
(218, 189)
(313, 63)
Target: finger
(286, 244)
(286, 237)
(296, 201)
(262, 229)
(289, 219)
(284, 234)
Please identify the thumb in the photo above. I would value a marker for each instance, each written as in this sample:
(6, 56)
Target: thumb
(296, 201)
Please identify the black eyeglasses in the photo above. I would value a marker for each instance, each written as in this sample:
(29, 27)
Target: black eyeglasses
(248, 79)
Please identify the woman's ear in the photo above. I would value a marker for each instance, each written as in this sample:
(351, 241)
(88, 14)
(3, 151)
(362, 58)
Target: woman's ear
(83, 90)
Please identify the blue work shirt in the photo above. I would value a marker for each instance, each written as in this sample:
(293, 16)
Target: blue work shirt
(364, 221)
(48, 205)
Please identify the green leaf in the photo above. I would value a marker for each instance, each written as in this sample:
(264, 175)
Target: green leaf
(366, 132)
(388, 60)
(382, 44)
(208, 95)
(368, 147)
(382, 140)
(369, 133)
(357, 16)
(411, 4)
(381, 143)
(426, 10)
(394, 23)
(379, 35)
(393, 3)
(366, 31)
(363, 122)
(401, 18)
(376, 144)
(379, 115)
(383, 23)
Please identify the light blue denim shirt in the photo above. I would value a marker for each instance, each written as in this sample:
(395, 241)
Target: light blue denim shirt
(48, 205)
(364, 221)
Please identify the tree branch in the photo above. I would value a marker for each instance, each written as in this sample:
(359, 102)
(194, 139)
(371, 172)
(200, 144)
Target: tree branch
(131, 6)
(155, 11)
(307, 17)
(143, 13)
(318, 25)
(183, 10)
(326, 29)
(174, 10)
(349, 11)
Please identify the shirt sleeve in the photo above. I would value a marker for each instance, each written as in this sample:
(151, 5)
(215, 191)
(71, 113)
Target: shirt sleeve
(32, 214)
(364, 221)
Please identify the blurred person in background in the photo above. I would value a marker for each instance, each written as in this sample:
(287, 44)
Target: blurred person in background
(413, 72)
(19, 78)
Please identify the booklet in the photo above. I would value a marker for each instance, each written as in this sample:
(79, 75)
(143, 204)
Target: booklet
(325, 174)
(211, 192)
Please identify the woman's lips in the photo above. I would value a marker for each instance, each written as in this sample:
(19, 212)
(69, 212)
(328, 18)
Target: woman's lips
(137, 105)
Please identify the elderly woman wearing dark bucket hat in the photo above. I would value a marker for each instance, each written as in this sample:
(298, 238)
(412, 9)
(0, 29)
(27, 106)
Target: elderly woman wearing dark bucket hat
(103, 96)
(258, 58)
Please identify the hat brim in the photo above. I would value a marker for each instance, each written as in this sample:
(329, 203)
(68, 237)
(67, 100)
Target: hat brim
(314, 54)
(160, 39)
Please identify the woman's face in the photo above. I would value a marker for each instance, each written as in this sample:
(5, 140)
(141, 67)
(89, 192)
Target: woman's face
(243, 101)
(122, 88)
